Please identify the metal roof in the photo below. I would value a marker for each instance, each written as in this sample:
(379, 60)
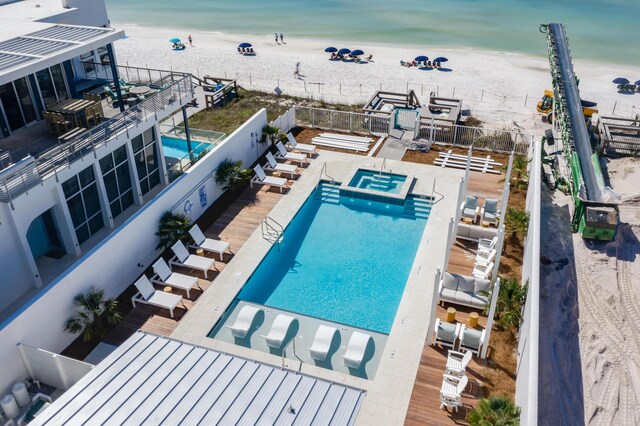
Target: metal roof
(156, 380)
(26, 54)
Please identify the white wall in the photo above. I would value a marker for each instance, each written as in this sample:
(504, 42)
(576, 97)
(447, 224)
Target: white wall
(13, 265)
(113, 264)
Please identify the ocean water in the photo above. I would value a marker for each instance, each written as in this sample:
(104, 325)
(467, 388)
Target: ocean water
(602, 30)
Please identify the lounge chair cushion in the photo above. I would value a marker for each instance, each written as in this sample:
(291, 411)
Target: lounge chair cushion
(450, 281)
(464, 290)
(479, 301)
(491, 206)
(463, 298)
(471, 338)
(448, 294)
(446, 331)
(466, 284)
(481, 285)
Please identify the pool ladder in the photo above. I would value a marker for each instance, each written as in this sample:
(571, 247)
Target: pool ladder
(272, 231)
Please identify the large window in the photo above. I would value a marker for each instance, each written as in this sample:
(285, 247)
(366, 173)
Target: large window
(88, 63)
(81, 193)
(52, 84)
(117, 180)
(145, 152)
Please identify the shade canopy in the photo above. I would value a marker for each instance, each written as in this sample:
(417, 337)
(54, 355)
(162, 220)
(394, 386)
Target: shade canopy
(440, 59)
(637, 82)
(621, 80)
(421, 58)
(174, 40)
(357, 52)
(344, 51)
(245, 45)
(330, 50)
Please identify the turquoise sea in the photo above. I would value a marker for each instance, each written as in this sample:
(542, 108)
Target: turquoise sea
(602, 30)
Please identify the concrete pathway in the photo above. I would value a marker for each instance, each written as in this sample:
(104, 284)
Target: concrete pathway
(394, 148)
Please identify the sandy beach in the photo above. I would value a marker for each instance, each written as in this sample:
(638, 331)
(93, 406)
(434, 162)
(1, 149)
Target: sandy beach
(500, 88)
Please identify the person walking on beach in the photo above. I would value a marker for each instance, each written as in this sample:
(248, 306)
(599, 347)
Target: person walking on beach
(190, 40)
(296, 73)
(281, 38)
(277, 38)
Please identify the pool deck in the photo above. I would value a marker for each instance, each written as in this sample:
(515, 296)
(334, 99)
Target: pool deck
(389, 394)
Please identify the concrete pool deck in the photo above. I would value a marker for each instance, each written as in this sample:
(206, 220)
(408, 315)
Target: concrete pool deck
(388, 395)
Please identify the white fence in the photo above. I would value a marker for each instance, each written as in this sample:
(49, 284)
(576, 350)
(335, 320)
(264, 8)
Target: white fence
(55, 370)
(342, 121)
(527, 370)
(286, 121)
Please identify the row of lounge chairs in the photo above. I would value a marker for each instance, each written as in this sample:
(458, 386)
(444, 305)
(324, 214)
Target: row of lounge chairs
(319, 349)
(272, 164)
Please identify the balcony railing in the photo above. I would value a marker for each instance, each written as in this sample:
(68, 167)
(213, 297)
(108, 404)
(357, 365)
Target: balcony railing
(177, 89)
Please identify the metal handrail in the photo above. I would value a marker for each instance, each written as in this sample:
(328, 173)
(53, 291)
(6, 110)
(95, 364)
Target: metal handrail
(323, 172)
(274, 232)
(284, 350)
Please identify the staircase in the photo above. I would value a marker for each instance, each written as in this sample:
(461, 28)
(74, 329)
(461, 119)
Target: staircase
(416, 207)
(328, 192)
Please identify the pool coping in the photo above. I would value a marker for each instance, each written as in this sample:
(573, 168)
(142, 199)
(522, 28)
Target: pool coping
(401, 195)
(388, 395)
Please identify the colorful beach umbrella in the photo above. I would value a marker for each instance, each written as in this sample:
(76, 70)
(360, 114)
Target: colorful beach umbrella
(357, 52)
(621, 80)
(174, 40)
(245, 45)
(421, 58)
(330, 50)
(440, 59)
(344, 51)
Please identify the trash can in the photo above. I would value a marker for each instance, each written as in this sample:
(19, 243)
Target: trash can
(19, 391)
(10, 406)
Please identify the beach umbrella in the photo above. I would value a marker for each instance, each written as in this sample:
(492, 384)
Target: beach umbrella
(245, 45)
(440, 59)
(344, 51)
(330, 50)
(637, 82)
(357, 52)
(621, 80)
(421, 58)
(174, 40)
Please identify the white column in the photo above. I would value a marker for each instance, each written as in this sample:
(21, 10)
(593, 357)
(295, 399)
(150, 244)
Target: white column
(103, 197)
(467, 169)
(67, 229)
(20, 231)
(492, 311)
(507, 176)
(434, 306)
(137, 192)
(505, 202)
(499, 245)
(450, 239)
(164, 176)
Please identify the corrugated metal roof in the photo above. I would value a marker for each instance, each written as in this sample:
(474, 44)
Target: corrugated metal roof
(154, 380)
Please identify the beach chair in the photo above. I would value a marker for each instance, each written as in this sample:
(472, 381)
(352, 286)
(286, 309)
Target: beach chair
(244, 321)
(483, 258)
(471, 340)
(322, 342)
(490, 212)
(165, 276)
(486, 245)
(291, 156)
(279, 330)
(207, 244)
(356, 349)
(457, 363)
(184, 259)
(300, 147)
(150, 296)
(273, 166)
(451, 391)
(470, 209)
(445, 334)
(482, 270)
(263, 179)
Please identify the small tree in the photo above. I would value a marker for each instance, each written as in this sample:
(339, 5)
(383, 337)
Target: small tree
(269, 134)
(231, 175)
(511, 298)
(495, 411)
(172, 227)
(519, 172)
(516, 221)
(94, 315)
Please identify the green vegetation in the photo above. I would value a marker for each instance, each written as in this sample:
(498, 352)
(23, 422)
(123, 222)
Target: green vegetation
(231, 175)
(172, 227)
(516, 221)
(495, 411)
(519, 172)
(94, 315)
(511, 298)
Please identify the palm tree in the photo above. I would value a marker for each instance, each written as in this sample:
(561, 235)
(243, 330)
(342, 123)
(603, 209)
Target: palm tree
(511, 298)
(516, 221)
(94, 315)
(269, 134)
(519, 172)
(172, 227)
(495, 411)
(231, 175)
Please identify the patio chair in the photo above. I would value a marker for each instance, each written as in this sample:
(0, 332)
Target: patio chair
(165, 276)
(99, 110)
(244, 321)
(445, 334)
(278, 331)
(451, 391)
(183, 258)
(291, 156)
(484, 257)
(486, 245)
(39, 403)
(273, 166)
(207, 244)
(471, 340)
(150, 296)
(263, 179)
(90, 116)
(300, 147)
(482, 270)
(457, 363)
(322, 342)
(490, 212)
(356, 349)
(470, 208)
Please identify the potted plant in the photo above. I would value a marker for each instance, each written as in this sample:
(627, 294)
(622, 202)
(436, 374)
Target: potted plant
(231, 175)
(172, 227)
(495, 411)
(93, 315)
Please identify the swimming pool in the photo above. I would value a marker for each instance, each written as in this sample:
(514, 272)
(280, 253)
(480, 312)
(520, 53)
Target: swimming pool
(383, 182)
(343, 260)
(177, 148)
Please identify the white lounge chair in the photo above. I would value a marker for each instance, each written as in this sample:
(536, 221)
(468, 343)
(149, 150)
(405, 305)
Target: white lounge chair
(262, 178)
(451, 391)
(445, 334)
(470, 209)
(485, 245)
(150, 296)
(356, 349)
(279, 330)
(244, 321)
(482, 270)
(471, 340)
(322, 342)
(483, 257)
(301, 147)
(457, 363)
(207, 244)
(165, 276)
(183, 258)
(490, 212)
(273, 166)
(291, 156)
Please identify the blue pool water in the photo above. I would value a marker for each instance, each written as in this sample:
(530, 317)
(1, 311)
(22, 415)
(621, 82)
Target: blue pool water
(177, 148)
(346, 263)
(383, 182)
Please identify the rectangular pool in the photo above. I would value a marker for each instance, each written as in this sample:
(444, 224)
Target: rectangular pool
(343, 260)
(383, 182)
(177, 148)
